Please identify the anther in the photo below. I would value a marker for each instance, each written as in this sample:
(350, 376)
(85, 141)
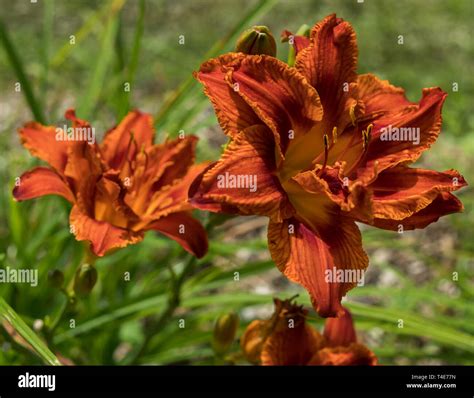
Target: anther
(334, 134)
(352, 115)
(366, 135)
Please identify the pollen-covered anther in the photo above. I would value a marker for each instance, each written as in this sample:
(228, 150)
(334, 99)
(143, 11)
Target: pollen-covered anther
(352, 115)
(366, 135)
(334, 134)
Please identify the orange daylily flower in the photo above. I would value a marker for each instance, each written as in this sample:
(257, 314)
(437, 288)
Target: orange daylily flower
(120, 188)
(313, 137)
(286, 339)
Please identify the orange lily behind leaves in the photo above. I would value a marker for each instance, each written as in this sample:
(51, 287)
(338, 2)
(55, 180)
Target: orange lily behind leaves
(323, 147)
(286, 339)
(120, 188)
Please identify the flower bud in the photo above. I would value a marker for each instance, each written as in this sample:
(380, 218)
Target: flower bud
(224, 332)
(257, 40)
(56, 278)
(253, 339)
(85, 279)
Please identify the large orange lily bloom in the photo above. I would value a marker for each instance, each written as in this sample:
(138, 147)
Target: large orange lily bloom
(120, 188)
(286, 339)
(311, 136)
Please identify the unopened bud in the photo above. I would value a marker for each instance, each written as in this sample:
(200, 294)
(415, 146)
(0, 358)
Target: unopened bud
(85, 279)
(56, 278)
(224, 332)
(257, 40)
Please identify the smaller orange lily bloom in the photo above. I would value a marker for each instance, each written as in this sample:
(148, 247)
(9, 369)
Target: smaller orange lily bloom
(286, 339)
(120, 188)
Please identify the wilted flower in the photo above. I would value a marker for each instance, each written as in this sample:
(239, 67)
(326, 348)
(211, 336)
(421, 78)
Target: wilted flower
(322, 148)
(286, 339)
(120, 188)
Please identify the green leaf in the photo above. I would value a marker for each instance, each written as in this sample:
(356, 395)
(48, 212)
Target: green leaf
(7, 313)
(19, 70)
(91, 97)
(98, 18)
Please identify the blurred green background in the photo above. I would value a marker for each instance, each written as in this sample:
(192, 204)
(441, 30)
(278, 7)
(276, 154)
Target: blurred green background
(410, 276)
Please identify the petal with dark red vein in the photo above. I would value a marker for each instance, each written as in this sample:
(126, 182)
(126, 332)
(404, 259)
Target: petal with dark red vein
(185, 230)
(278, 94)
(244, 179)
(102, 235)
(233, 113)
(291, 346)
(402, 191)
(329, 63)
(39, 182)
(42, 142)
(444, 204)
(127, 139)
(314, 259)
(421, 124)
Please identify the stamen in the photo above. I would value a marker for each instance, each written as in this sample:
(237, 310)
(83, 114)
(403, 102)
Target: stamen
(146, 156)
(352, 115)
(369, 131)
(334, 134)
(366, 135)
(326, 150)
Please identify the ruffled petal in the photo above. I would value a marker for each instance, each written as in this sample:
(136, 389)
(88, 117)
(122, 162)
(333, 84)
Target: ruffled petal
(39, 182)
(401, 191)
(291, 346)
(167, 200)
(329, 64)
(161, 169)
(352, 355)
(102, 235)
(233, 113)
(353, 198)
(180, 156)
(379, 96)
(42, 142)
(185, 230)
(421, 122)
(124, 141)
(313, 259)
(445, 203)
(243, 179)
(278, 94)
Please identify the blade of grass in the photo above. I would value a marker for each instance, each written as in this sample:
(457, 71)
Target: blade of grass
(137, 40)
(17, 66)
(8, 314)
(128, 71)
(89, 100)
(47, 39)
(97, 19)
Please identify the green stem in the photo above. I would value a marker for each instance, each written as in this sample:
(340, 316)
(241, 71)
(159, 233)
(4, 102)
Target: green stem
(70, 297)
(156, 324)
